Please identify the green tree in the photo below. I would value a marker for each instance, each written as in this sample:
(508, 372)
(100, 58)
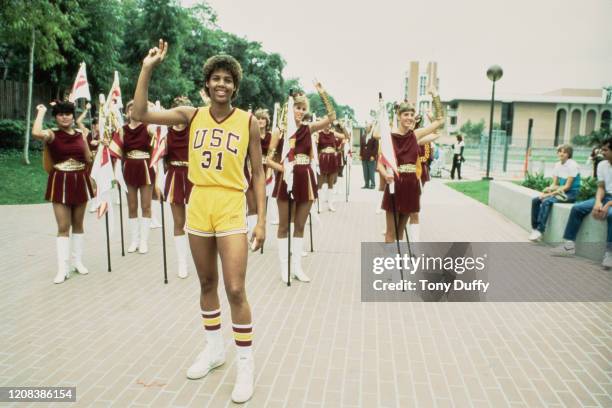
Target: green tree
(317, 106)
(472, 131)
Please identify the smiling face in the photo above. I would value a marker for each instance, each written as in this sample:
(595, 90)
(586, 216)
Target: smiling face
(263, 123)
(221, 86)
(407, 120)
(64, 120)
(299, 110)
(563, 155)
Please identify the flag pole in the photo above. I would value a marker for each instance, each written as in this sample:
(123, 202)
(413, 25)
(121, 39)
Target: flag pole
(121, 218)
(163, 223)
(262, 245)
(289, 242)
(108, 257)
(310, 226)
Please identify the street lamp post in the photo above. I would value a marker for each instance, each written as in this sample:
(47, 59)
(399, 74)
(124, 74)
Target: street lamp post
(494, 73)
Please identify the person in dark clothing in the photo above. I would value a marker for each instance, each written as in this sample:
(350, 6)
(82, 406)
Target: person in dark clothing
(457, 157)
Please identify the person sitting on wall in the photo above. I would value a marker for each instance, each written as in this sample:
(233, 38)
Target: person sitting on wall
(600, 207)
(564, 189)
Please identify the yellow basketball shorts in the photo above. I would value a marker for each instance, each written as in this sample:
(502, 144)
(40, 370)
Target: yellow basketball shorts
(216, 212)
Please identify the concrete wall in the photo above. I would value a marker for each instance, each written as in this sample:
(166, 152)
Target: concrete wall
(544, 121)
(514, 202)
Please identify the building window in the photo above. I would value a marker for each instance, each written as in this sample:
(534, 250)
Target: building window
(422, 85)
(605, 120)
(453, 120)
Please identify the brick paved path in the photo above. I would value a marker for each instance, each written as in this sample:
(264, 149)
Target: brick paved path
(125, 339)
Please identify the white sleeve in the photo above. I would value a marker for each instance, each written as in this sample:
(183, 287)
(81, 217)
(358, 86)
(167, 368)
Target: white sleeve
(572, 169)
(601, 172)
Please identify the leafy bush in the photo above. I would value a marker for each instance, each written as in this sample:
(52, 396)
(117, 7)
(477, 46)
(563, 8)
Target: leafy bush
(536, 181)
(580, 140)
(12, 132)
(472, 131)
(588, 188)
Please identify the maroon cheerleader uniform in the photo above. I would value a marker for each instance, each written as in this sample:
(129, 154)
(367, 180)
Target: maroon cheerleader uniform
(68, 182)
(339, 153)
(328, 163)
(304, 181)
(137, 156)
(407, 185)
(265, 146)
(178, 187)
(424, 164)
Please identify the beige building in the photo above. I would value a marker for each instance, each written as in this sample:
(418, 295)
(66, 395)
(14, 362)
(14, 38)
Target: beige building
(415, 83)
(557, 116)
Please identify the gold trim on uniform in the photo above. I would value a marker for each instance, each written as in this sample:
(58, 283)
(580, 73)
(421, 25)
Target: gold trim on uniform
(406, 168)
(138, 154)
(328, 150)
(177, 163)
(69, 165)
(302, 159)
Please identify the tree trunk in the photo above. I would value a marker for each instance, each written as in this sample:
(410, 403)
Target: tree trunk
(26, 144)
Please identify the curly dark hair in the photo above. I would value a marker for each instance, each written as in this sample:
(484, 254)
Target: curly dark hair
(226, 63)
(62, 107)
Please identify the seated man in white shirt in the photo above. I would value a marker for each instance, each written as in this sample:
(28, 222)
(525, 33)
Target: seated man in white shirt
(564, 188)
(600, 207)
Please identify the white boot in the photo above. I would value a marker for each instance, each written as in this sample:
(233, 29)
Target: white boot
(63, 255)
(283, 257)
(296, 259)
(243, 388)
(155, 215)
(323, 195)
(76, 244)
(145, 226)
(414, 232)
(134, 227)
(180, 241)
(330, 202)
(251, 222)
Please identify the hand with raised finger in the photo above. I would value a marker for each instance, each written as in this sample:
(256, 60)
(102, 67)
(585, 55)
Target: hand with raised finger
(156, 55)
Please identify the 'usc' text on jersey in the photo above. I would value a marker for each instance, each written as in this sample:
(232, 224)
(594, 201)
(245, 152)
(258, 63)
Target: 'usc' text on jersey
(218, 150)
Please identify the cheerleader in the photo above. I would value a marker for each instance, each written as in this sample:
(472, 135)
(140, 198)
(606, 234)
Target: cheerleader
(178, 187)
(327, 142)
(68, 186)
(139, 178)
(407, 182)
(304, 190)
(263, 121)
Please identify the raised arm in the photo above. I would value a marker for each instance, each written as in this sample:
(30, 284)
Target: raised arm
(331, 113)
(81, 118)
(38, 132)
(180, 115)
(438, 116)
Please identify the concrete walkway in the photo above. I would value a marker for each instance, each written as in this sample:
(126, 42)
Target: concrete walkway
(126, 339)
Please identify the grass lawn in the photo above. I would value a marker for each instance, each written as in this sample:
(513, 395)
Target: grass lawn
(21, 184)
(478, 190)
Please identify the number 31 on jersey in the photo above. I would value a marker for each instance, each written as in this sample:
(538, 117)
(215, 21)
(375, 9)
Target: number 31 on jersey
(214, 146)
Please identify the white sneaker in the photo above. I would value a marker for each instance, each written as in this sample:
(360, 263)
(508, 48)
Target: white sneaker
(243, 388)
(205, 362)
(607, 261)
(535, 235)
(565, 249)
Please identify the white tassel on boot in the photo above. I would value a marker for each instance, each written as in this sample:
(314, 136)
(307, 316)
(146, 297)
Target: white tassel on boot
(63, 255)
(145, 226)
(134, 227)
(414, 232)
(297, 245)
(180, 241)
(283, 257)
(76, 244)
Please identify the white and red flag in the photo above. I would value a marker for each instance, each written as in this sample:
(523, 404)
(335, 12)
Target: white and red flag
(114, 96)
(80, 88)
(387, 152)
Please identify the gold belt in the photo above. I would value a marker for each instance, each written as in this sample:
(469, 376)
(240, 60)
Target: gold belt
(69, 165)
(177, 163)
(406, 168)
(328, 150)
(302, 159)
(138, 154)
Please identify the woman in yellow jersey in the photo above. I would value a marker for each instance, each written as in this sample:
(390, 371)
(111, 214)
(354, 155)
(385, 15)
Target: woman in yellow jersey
(304, 190)
(220, 138)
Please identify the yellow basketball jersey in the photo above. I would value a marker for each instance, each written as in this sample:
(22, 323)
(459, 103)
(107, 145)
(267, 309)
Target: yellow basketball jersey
(217, 150)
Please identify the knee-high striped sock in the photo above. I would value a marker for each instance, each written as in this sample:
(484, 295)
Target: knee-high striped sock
(212, 327)
(243, 336)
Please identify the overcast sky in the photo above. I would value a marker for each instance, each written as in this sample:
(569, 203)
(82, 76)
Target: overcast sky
(357, 48)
